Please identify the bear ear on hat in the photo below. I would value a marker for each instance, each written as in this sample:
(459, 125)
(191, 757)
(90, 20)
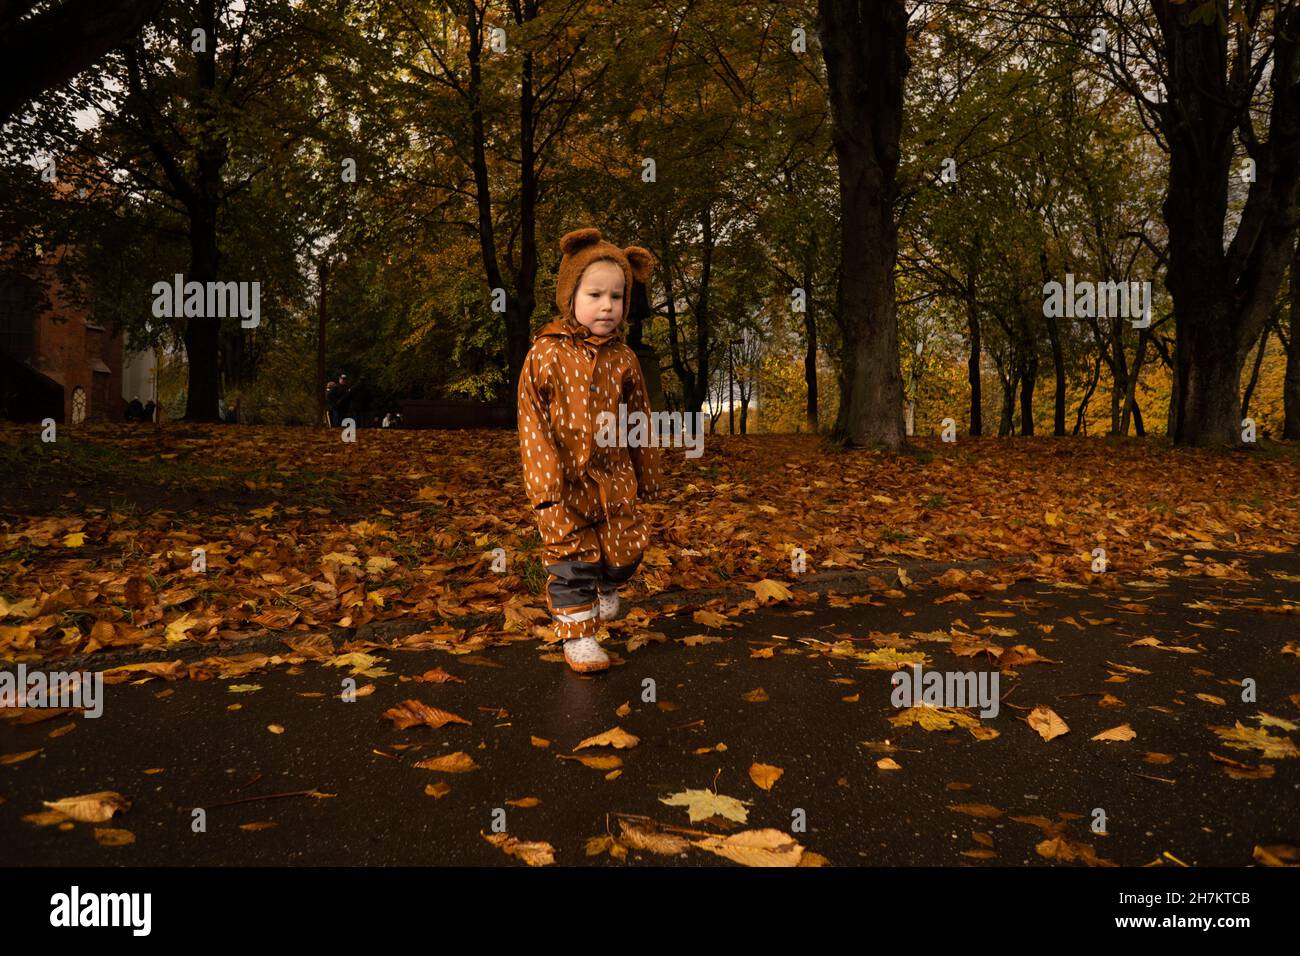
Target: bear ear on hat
(571, 242)
(642, 263)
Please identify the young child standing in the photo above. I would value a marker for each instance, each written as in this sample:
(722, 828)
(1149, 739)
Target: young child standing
(584, 495)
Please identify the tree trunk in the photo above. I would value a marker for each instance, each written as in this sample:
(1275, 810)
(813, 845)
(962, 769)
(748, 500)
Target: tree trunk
(1058, 364)
(1291, 383)
(810, 356)
(202, 334)
(1254, 372)
(322, 272)
(1008, 404)
(1081, 420)
(1130, 391)
(973, 371)
(1209, 377)
(864, 46)
(1223, 292)
(1028, 378)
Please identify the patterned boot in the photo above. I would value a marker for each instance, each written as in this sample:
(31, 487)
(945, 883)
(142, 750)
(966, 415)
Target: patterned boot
(584, 654)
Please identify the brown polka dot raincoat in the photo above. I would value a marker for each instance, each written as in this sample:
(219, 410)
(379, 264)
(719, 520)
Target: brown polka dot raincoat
(584, 494)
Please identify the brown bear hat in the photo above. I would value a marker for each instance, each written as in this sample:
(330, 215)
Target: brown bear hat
(581, 248)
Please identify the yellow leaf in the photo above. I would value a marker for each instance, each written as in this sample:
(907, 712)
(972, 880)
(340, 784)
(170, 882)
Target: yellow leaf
(601, 762)
(615, 737)
(1122, 732)
(702, 804)
(1047, 723)
(768, 591)
(713, 619)
(764, 775)
(90, 807)
(766, 847)
(934, 718)
(1249, 738)
(177, 628)
(458, 762)
(74, 540)
(534, 853)
(109, 836)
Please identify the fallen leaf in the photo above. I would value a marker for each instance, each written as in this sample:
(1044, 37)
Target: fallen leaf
(615, 737)
(534, 853)
(764, 775)
(458, 762)
(109, 836)
(702, 804)
(766, 847)
(768, 591)
(1250, 738)
(1122, 732)
(1047, 723)
(90, 807)
(412, 713)
(19, 756)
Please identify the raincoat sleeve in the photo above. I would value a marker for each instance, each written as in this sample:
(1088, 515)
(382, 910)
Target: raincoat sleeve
(646, 462)
(543, 477)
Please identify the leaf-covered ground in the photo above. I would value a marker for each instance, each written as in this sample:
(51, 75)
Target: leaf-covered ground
(299, 530)
(350, 680)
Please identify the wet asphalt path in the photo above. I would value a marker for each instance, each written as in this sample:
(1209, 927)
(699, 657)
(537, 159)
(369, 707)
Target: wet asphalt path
(820, 714)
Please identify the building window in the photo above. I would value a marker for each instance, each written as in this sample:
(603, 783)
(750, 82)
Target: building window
(78, 405)
(18, 299)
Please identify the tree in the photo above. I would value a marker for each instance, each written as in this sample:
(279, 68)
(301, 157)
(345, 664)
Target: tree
(864, 46)
(1200, 74)
(40, 49)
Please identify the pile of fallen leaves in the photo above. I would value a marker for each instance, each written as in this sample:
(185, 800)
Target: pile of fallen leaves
(434, 526)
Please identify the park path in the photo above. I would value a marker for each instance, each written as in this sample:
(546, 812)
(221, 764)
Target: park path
(798, 687)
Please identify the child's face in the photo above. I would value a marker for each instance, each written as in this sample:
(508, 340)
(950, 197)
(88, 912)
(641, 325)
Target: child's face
(598, 303)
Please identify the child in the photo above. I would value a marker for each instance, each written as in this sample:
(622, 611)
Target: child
(582, 493)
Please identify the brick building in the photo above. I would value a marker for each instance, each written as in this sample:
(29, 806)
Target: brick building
(56, 361)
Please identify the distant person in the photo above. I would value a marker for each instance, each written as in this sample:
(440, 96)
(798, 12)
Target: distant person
(339, 398)
(134, 410)
(356, 404)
